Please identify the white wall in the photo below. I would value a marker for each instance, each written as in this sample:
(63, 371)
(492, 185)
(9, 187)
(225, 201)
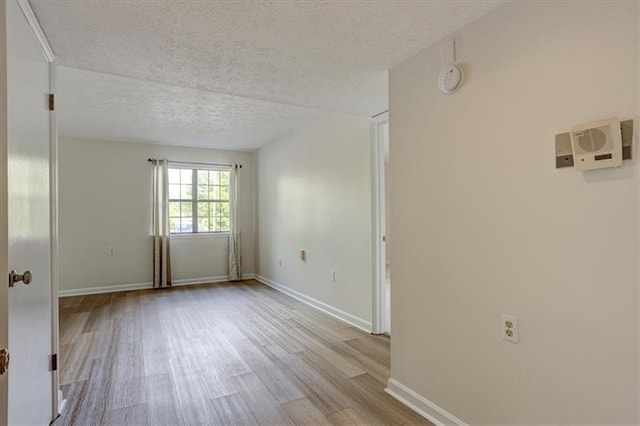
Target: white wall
(483, 223)
(314, 189)
(105, 201)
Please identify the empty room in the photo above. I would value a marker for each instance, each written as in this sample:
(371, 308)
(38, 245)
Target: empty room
(319, 212)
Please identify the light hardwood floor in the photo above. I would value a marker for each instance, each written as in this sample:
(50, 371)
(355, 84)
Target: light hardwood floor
(219, 354)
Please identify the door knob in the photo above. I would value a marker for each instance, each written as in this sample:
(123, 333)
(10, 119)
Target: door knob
(4, 360)
(14, 278)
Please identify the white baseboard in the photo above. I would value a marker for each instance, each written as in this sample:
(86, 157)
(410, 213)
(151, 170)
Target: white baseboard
(420, 404)
(103, 289)
(61, 402)
(141, 286)
(321, 306)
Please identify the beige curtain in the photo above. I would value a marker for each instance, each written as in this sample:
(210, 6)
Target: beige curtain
(160, 223)
(235, 253)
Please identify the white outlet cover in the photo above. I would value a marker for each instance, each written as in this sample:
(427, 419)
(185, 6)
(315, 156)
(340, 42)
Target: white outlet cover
(509, 328)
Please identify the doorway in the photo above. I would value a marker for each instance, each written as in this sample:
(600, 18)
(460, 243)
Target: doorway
(381, 323)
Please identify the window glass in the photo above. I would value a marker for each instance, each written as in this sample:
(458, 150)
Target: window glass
(205, 209)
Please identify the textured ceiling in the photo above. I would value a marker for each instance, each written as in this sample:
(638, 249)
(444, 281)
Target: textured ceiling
(102, 106)
(330, 55)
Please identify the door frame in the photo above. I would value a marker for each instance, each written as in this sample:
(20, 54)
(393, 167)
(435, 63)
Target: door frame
(4, 258)
(58, 401)
(25, 7)
(378, 317)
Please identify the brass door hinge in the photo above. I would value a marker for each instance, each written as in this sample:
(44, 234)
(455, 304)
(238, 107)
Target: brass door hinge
(4, 360)
(52, 102)
(54, 362)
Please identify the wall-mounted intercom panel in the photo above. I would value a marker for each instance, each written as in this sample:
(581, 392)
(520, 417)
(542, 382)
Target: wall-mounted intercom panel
(595, 145)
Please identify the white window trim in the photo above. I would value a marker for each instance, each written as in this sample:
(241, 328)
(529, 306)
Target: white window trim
(189, 235)
(200, 166)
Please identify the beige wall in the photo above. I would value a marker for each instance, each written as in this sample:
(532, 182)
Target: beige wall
(105, 201)
(314, 189)
(483, 223)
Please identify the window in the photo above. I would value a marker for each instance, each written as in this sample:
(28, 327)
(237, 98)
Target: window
(198, 200)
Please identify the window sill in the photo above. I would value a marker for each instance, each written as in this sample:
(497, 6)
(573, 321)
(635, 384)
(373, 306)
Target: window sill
(192, 235)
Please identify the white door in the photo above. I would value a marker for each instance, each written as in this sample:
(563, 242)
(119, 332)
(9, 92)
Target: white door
(381, 283)
(386, 256)
(29, 236)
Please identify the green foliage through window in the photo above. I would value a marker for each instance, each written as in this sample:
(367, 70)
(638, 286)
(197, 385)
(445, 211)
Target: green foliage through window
(198, 200)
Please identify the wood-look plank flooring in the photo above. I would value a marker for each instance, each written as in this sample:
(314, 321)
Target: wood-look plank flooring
(226, 354)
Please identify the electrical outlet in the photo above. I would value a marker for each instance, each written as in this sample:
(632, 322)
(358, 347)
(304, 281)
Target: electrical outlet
(112, 251)
(333, 276)
(509, 328)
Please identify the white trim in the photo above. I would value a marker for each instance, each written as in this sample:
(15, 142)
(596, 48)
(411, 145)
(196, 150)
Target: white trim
(4, 269)
(421, 405)
(54, 232)
(199, 166)
(196, 235)
(143, 286)
(62, 402)
(378, 312)
(104, 289)
(193, 281)
(37, 30)
(321, 306)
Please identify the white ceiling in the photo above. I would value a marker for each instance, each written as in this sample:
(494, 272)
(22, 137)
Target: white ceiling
(103, 106)
(329, 55)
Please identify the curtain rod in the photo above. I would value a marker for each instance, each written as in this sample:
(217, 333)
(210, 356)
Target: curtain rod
(151, 160)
